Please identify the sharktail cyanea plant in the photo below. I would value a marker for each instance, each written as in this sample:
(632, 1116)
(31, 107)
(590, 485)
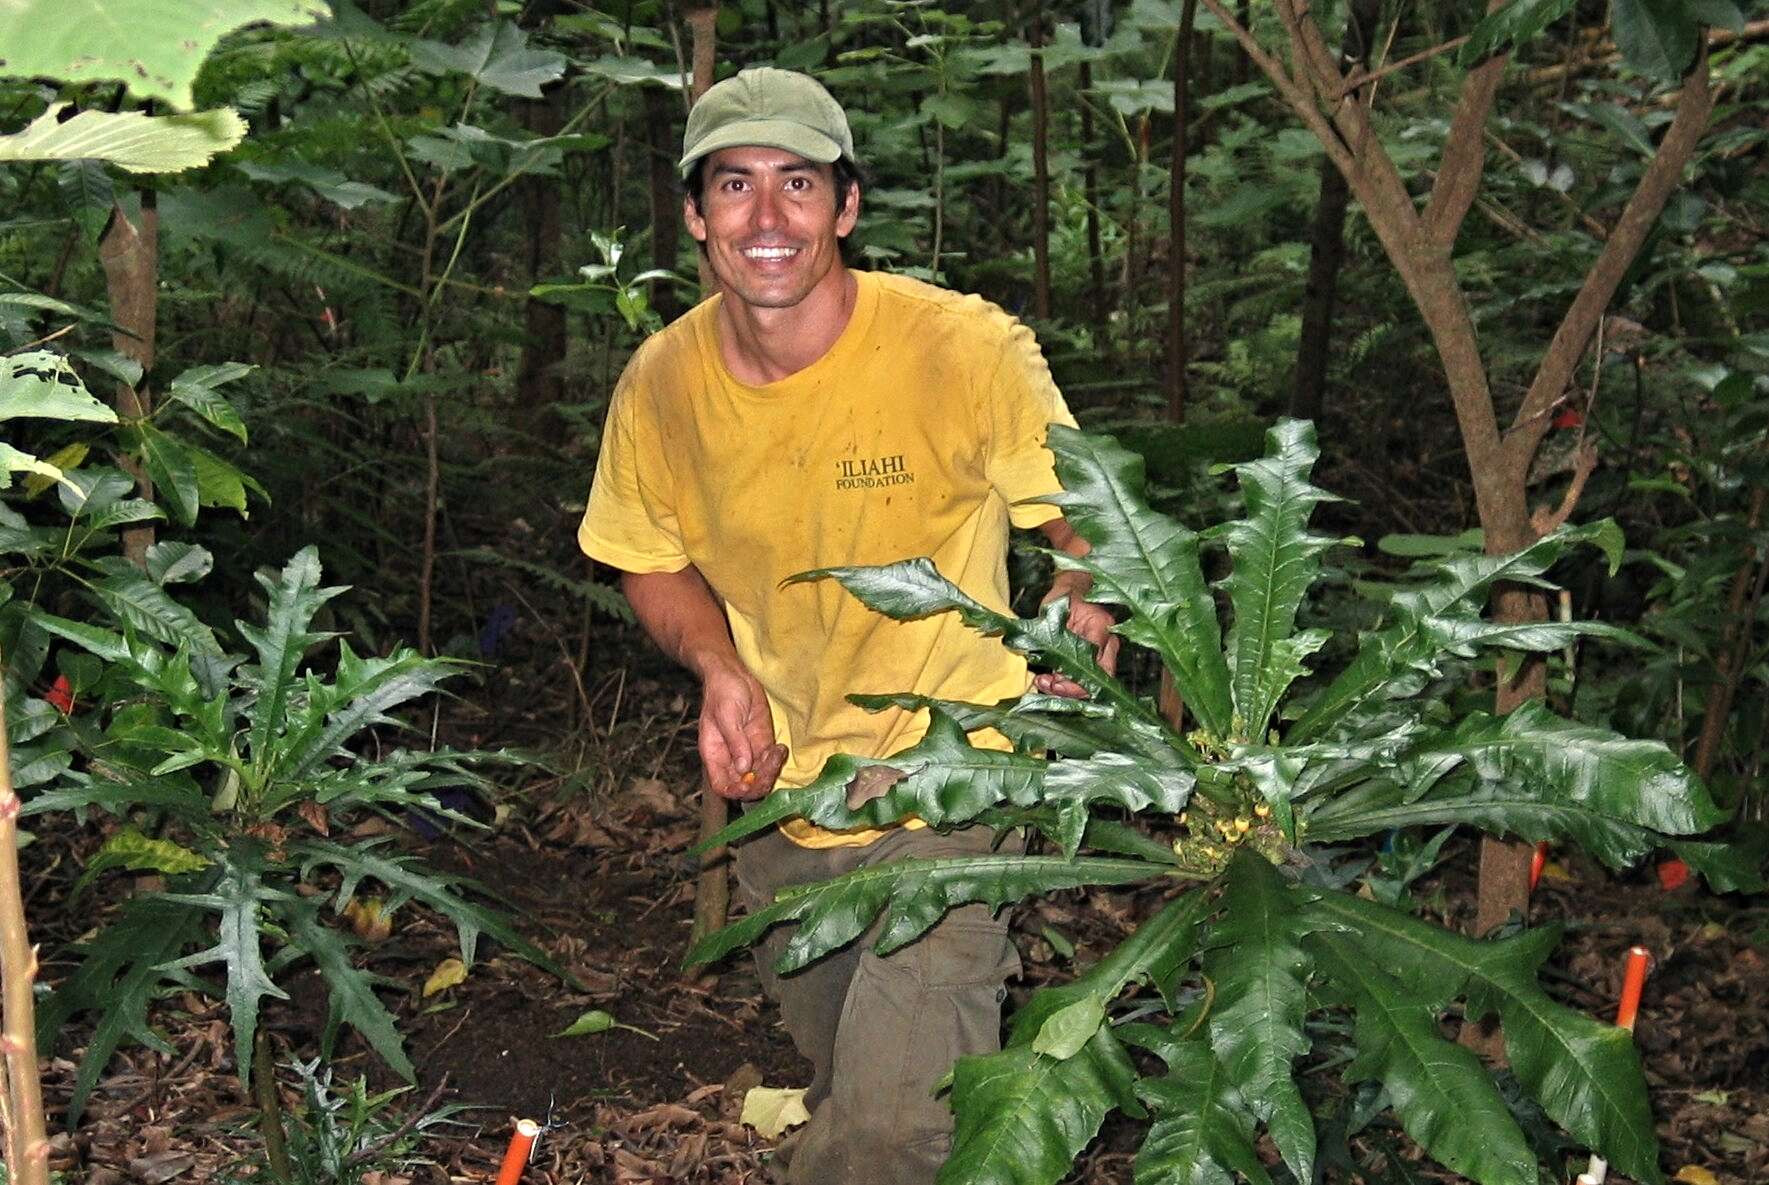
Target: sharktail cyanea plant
(1243, 802)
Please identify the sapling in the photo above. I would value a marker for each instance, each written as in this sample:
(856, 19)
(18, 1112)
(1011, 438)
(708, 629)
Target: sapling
(27, 1147)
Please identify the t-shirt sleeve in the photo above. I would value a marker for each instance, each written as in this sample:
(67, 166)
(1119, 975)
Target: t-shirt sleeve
(1022, 401)
(630, 522)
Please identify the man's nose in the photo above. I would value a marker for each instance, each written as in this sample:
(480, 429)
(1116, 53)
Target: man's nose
(766, 212)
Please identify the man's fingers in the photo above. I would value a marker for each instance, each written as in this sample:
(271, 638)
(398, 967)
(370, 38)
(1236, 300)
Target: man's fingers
(1058, 685)
(1108, 654)
(767, 768)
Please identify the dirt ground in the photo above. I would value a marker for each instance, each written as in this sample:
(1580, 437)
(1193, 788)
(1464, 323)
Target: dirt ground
(600, 877)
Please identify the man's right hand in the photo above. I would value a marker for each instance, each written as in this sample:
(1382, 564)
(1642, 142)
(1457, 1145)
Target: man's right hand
(737, 746)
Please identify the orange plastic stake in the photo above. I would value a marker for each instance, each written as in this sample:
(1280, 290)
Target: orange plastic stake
(1538, 862)
(517, 1155)
(1633, 979)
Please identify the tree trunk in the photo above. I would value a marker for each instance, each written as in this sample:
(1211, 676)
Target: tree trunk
(703, 24)
(1176, 253)
(1420, 244)
(1096, 265)
(1040, 173)
(539, 383)
(666, 203)
(27, 1148)
(712, 892)
(131, 257)
(1327, 245)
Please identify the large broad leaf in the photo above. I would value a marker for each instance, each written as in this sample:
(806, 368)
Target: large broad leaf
(1639, 782)
(1584, 1073)
(295, 596)
(350, 991)
(944, 781)
(237, 897)
(1023, 1116)
(1260, 969)
(1440, 614)
(913, 895)
(1656, 37)
(497, 56)
(136, 601)
(196, 389)
(1071, 727)
(155, 47)
(1200, 1131)
(1444, 1097)
(1275, 560)
(42, 385)
(1146, 562)
(130, 140)
(914, 588)
(119, 975)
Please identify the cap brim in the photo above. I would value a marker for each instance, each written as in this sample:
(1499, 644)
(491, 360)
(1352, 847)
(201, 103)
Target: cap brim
(766, 133)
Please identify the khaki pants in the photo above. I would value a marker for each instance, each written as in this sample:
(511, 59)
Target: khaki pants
(880, 1032)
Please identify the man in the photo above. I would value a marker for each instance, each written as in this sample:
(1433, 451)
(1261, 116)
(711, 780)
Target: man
(813, 415)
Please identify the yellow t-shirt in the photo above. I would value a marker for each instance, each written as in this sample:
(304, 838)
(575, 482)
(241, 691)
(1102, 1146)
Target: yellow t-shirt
(914, 435)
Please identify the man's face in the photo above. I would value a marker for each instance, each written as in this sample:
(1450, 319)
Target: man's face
(770, 223)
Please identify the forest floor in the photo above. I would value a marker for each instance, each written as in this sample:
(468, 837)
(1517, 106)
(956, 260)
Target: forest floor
(597, 872)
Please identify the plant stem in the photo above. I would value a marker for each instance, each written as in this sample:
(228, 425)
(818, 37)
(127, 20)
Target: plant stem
(27, 1148)
(270, 1112)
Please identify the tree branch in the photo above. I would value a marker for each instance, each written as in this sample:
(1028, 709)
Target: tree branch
(1661, 177)
(1464, 151)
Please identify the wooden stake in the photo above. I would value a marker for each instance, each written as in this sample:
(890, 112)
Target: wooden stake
(27, 1147)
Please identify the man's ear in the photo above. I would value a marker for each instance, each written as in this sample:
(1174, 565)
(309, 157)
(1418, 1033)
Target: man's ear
(849, 215)
(692, 220)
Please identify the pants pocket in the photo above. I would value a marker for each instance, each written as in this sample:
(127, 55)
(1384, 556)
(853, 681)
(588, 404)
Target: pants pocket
(968, 948)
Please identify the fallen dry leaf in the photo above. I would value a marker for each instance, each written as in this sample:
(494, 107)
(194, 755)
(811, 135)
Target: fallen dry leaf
(771, 1110)
(448, 973)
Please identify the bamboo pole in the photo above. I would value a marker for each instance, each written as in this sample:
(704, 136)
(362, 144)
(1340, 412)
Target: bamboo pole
(27, 1146)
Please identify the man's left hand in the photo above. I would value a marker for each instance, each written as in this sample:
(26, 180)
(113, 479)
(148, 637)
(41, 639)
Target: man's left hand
(1093, 623)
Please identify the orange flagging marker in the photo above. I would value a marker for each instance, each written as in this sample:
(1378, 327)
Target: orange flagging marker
(1538, 862)
(1633, 980)
(521, 1148)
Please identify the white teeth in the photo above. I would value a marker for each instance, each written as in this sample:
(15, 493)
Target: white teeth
(770, 252)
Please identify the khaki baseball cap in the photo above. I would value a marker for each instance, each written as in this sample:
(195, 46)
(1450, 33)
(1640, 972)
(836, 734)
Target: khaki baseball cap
(770, 108)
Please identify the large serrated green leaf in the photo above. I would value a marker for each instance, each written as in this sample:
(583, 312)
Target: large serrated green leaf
(1443, 612)
(1200, 1132)
(1275, 560)
(912, 895)
(1023, 1117)
(1639, 782)
(364, 690)
(237, 897)
(1587, 1081)
(295, 596)
(1146, 562)
(946, 781)
(131, 140)
(155, 47)
(1444, 1097)
(914, 588)
(1260, 969)
(352, 998)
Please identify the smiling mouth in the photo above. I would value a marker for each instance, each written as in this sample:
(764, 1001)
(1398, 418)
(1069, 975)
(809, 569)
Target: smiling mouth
(769, 254)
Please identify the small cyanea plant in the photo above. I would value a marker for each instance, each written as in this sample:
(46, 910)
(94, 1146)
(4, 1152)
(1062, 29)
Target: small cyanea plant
(1250, 945)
